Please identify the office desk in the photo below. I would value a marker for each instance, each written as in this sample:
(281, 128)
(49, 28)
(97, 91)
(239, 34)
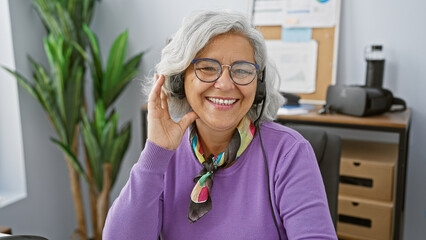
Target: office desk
(398, 123)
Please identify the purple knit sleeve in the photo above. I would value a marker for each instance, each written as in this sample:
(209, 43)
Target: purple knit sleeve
(136, 213)
(301, 195)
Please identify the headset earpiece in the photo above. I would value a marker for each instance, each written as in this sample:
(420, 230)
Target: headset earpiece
(261, 88)
(177, 86)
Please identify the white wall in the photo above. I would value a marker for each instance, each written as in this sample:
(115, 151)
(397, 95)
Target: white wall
(12, 169)
(399, 25)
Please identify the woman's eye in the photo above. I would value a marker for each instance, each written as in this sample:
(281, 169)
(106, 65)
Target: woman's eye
(208, 69)
(241, 72)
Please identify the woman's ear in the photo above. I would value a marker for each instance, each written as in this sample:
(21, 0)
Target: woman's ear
(177, 85)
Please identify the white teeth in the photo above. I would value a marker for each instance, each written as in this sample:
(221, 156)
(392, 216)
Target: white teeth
(222, 101)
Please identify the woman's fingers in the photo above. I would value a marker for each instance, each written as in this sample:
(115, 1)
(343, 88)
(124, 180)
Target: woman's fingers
(154, 99)
(152, 95)
(162, 130)
(163, 98)
(187, 120)
(164, 103)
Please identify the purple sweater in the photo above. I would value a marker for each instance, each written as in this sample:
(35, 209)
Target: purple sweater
(156, 197)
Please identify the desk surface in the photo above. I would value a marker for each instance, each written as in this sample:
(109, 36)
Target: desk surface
(391, 119)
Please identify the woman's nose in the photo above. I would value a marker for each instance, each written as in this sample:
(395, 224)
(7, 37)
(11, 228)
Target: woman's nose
(224, 82)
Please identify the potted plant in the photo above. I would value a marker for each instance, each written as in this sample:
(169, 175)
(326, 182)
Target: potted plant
(60, 91)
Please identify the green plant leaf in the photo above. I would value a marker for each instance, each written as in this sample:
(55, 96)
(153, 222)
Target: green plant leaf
(108, 137)
(54, 48)
(67, 26)
(99, 120)
(96, 65)
(87, 12)
(74, 98)
(114, 67)
(132, 64)
(110, 129)
(43, 88)
(130, 70)
(70, 6)
(41, 78)
(57, 19)
(45, 9)
(54, 115)
(24, 83)
(80, 50)
(122, 144)
(74, 161)
(93, 150)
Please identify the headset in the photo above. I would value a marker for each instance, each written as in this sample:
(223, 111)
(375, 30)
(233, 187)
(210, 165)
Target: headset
(177, 86)
(177, 89)
(260, 90)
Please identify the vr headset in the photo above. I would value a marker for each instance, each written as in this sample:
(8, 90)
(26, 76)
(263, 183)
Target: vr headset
(361, 101)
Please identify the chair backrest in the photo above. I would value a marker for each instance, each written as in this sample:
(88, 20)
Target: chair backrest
(327, 148)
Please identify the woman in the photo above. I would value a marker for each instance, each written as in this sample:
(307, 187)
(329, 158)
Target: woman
(213, 77)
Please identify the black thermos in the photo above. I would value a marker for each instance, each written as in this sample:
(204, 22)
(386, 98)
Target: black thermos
(375, 66)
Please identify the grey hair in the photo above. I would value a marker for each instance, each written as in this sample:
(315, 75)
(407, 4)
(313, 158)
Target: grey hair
(195, 33)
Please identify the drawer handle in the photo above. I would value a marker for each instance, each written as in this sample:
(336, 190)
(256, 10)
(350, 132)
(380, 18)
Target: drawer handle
(363, 182)
(355, 220)
(356, 164)
(355, 204)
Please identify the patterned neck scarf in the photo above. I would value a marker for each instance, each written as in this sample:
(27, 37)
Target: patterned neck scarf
(201, 203)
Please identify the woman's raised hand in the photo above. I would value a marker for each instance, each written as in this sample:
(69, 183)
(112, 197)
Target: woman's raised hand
(162, 130)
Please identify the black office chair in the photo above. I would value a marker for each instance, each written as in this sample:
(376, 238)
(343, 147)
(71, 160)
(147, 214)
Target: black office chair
(327, 148)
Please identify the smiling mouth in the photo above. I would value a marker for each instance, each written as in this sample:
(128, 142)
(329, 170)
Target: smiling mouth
(220, 101)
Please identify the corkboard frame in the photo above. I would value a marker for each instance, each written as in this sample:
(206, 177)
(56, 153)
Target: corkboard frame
(327, 39)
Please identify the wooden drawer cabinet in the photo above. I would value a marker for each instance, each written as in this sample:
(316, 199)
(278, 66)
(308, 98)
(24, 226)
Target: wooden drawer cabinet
(360, 218)
(367, 169)
(372, 174)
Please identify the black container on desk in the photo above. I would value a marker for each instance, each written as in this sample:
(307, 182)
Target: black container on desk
(375, 66)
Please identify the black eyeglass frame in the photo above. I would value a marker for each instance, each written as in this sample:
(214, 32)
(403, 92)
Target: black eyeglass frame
(221, 70)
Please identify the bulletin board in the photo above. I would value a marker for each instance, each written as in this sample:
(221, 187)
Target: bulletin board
(327, 39)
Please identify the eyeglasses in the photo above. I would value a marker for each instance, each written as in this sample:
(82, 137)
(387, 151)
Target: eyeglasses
(209, 70)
